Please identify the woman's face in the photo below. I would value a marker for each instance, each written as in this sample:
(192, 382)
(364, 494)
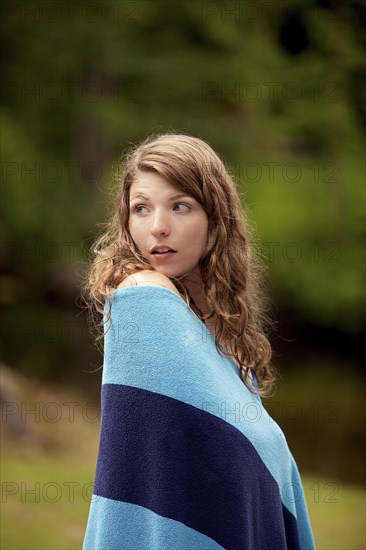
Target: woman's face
(159, 217)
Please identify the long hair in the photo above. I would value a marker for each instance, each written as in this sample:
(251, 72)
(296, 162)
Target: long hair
(231, 268)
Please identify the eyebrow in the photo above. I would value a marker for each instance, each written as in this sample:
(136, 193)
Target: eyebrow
(179, 196)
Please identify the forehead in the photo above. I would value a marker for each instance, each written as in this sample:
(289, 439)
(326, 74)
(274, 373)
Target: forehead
(148, 184)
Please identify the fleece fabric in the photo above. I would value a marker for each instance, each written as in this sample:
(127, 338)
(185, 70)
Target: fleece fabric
(189, 459)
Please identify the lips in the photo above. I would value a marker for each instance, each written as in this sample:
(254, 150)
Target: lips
(158, 247)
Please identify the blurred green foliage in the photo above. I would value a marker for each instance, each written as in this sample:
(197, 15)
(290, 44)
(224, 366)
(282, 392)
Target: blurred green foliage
(277, 89)
(320, 405)
(82, 83)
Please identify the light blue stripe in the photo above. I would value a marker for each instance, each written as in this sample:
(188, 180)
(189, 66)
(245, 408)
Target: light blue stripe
(144, 349)
(128, 526)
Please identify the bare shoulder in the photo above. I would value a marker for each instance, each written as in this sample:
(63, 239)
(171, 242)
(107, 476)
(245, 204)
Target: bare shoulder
(147, 278)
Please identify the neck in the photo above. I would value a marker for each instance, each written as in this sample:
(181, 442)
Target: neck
(194, 285)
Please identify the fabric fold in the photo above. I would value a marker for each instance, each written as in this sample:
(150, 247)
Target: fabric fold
(188, 456)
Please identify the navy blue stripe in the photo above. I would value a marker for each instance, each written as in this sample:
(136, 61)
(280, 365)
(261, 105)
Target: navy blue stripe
(191, 466)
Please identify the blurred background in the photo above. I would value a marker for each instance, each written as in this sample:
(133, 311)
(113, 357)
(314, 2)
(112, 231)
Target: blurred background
(278, 90)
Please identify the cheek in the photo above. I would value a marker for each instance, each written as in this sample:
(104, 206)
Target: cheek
(199, 238)
(134, 234)
(133, 228)
(131, 232)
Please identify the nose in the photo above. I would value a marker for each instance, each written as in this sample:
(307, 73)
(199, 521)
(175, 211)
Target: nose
(160, 225)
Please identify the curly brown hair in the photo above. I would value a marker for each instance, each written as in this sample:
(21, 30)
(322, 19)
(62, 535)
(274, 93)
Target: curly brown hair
(231, 269)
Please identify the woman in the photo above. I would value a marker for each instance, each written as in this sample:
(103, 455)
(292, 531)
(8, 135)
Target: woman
(188, 456)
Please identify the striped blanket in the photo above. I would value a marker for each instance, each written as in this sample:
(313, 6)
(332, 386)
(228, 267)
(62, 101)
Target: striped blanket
(189, 459)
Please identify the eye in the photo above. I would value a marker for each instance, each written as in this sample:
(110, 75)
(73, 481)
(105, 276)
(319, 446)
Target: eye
(135, 208)
(182, 204)
(138, 206)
